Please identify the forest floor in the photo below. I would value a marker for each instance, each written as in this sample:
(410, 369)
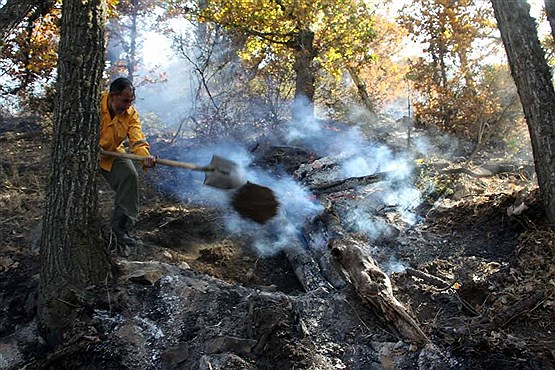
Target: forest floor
(497, 310)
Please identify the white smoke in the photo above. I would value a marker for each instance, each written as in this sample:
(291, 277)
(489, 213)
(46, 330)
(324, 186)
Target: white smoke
(358, 157)
(172, 102)
(297, 206)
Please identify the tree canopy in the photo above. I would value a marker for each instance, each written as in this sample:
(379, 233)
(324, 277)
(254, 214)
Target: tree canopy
(307, 36)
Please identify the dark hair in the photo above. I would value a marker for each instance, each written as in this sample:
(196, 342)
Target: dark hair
(120, 84)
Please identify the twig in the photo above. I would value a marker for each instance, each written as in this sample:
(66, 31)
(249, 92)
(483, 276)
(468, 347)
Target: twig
(517, 309)
(68, 303)
(467, 305)
(428, 277)
(358, 316)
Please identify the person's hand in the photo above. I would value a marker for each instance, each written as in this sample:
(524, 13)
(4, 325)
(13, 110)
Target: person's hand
(149, 162)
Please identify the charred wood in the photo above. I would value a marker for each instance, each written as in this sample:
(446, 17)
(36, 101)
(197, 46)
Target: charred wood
(306, 268)
(286, 158)
(374, 286)
(315, 237)
(371, 283)
(350, 183)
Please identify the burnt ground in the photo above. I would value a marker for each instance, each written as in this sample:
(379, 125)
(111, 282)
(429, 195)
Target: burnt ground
(196, 296)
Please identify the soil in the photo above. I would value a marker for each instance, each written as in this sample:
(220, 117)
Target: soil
(197, 296)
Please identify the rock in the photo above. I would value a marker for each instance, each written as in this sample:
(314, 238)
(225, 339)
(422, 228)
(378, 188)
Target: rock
(230, 344)
(174, 356)
(224, 361)
(146, 277)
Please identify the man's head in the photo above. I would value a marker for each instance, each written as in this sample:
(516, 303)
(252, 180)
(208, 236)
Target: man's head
(121, 95)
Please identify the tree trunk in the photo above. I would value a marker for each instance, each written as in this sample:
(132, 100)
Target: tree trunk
(132, 52)
(361, 89)
(533, 80)
(73, 255)
(305, 79)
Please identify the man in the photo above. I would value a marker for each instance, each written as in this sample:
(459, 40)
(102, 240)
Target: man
(120, 121)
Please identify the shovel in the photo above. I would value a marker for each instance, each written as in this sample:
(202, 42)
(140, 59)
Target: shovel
(252, 201)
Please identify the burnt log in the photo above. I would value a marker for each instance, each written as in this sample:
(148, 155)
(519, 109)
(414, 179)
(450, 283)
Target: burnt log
(370, 282)
(374, 287)
(306, 268)
(315, 238)
(486, 170)
(349, 183)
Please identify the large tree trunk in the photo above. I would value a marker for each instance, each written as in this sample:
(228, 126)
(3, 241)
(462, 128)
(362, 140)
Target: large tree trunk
(533, 80)
(73, 255)
(305, 79)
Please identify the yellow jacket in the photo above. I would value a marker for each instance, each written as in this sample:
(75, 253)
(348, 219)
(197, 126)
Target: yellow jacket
(113, 132)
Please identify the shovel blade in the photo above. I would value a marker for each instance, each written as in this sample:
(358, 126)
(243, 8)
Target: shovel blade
(224, 174)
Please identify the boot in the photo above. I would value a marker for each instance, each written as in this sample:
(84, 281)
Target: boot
(120, 228)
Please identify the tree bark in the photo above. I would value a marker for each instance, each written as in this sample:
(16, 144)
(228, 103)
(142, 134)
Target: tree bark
(305, 78)
(361, 89)
(73, 255)
(132, 52)
(533, 80)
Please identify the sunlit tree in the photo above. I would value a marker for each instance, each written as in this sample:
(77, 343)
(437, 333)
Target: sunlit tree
(309, 36)
(124, 30)
(534, 82)
(28, 56)
(456, 35)
(374, 77)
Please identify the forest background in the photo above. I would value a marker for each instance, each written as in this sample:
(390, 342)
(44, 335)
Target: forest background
(213, 72)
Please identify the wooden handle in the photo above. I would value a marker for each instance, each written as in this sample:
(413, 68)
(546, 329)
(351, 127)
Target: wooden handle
(166, 162)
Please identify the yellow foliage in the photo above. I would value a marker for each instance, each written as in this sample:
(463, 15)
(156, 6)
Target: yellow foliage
(341, 28)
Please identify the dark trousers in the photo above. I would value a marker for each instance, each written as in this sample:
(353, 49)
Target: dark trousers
(124, 180)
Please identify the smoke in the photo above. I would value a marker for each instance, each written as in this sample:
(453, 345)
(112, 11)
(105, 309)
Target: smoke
(169, 100)
(297, 207)
(357, 157)
(172, 102)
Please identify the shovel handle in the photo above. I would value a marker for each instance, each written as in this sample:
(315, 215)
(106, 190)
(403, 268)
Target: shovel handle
(166, 162)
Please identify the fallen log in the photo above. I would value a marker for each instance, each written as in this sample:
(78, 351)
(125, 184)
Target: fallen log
(374, 286)
(314, 236)
(306, 268)
(371, 283)
(476, 172)
(346, 184)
